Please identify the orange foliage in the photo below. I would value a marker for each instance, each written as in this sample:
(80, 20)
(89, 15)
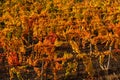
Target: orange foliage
(13, 59)
(38, 28)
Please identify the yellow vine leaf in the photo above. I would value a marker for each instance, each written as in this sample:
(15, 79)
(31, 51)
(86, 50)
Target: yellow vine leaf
(75, 47)
(107, 52)
(81, 55)
(58, 43)
(88, 65)
(67, 55)
(22, 49)
(13, 71)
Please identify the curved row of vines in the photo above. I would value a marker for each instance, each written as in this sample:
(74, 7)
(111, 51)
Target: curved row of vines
(52, 36)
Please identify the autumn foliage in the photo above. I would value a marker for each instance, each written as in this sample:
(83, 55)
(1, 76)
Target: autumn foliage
(55, 35)
(13, 59)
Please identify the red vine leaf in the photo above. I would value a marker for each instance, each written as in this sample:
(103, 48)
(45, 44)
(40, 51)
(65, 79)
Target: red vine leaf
(13, 59)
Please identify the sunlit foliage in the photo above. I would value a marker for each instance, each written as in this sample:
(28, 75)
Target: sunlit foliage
(49, 33)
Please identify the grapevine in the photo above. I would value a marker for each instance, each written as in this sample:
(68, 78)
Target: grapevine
(53, 37)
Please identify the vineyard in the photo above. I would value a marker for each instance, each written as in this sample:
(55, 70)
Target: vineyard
(59, 39)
